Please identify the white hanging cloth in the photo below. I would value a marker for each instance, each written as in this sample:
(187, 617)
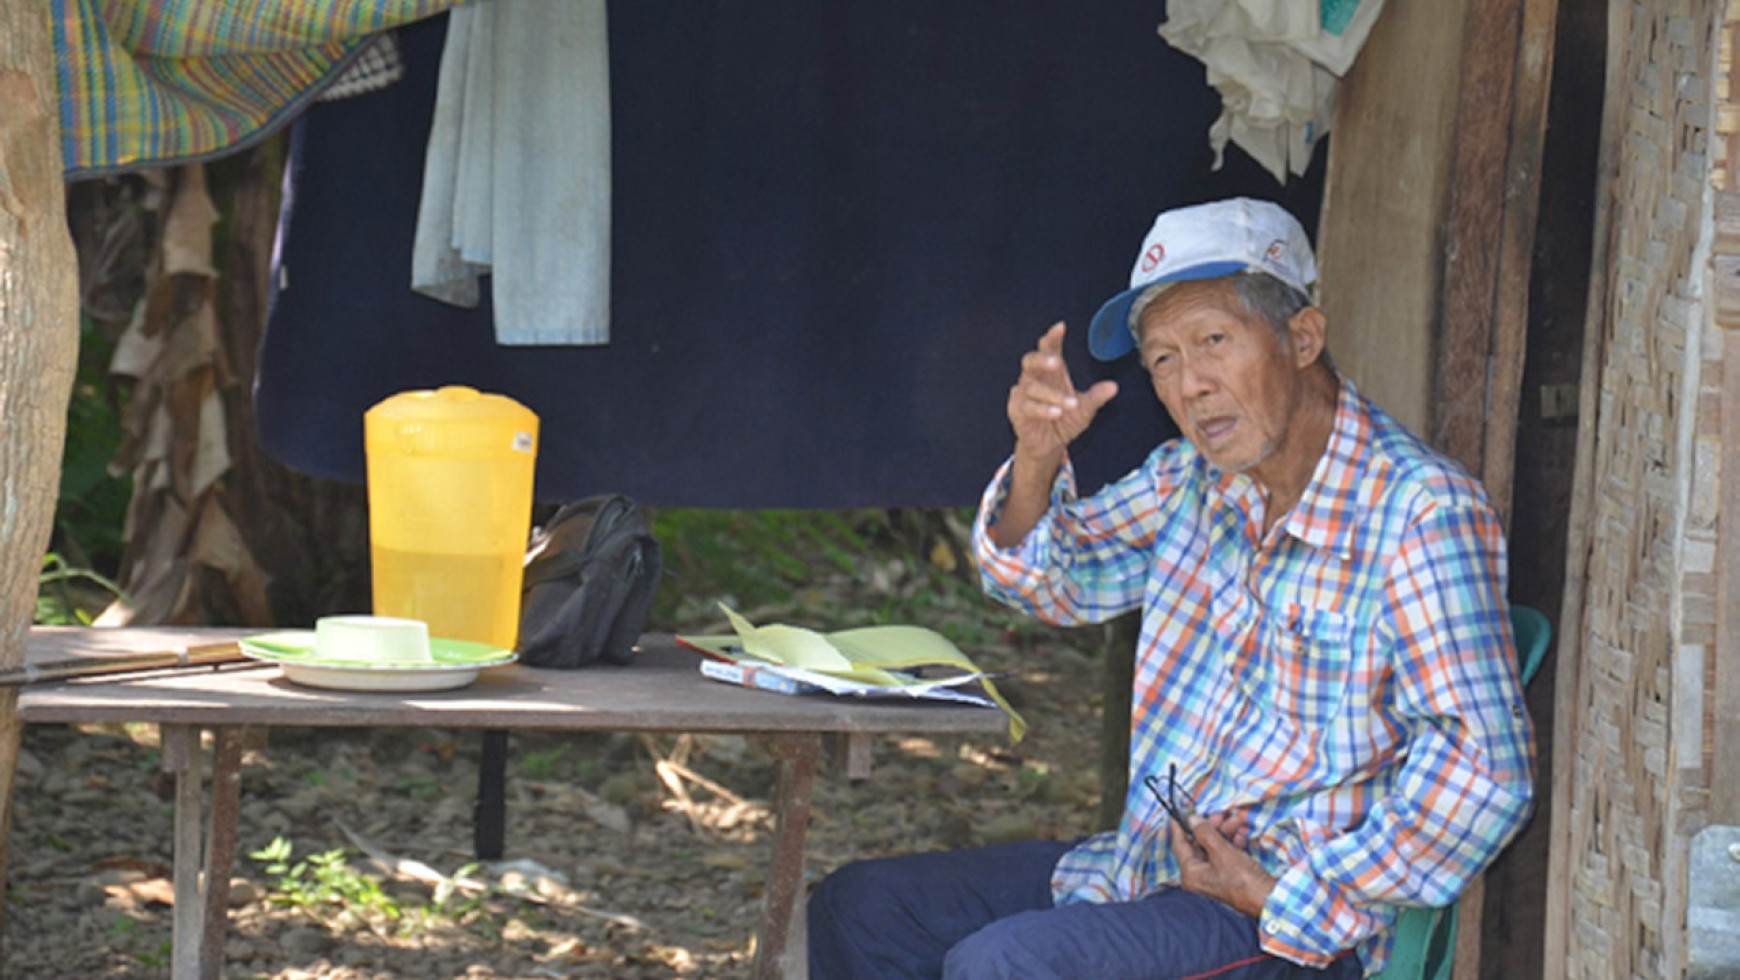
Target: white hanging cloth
(1276, 64)
(516, 184)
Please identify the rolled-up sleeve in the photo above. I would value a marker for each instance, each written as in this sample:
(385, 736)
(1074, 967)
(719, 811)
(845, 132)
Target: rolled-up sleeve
(1085, 561)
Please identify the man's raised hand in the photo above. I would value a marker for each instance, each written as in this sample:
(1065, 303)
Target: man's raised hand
(1045, 409)
(1047, 414)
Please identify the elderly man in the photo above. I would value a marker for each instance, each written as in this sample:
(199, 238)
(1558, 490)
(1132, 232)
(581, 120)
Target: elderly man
(1326, 722)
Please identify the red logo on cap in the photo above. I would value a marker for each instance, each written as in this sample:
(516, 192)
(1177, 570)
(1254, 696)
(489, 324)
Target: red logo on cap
(1153, 257)
(1276, 247)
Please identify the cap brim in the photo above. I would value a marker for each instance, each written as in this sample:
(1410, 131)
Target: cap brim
(1109, 336)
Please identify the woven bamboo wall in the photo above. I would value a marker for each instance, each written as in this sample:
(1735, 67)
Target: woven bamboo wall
(1719, 438)
(1639, 780)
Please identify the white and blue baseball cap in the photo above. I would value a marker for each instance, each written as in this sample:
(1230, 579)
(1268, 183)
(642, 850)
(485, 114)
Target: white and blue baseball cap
(1206, 241)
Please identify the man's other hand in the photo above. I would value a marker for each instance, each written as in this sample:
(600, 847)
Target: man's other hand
(1045, 409)
(1218, 866)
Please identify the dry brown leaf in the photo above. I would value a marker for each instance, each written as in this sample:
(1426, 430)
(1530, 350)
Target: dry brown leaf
(135, 350)
(218, 545)
(187, 226)
(211, 455)
(136, 894)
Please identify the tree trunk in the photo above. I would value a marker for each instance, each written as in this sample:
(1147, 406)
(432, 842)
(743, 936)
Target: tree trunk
(38, 342)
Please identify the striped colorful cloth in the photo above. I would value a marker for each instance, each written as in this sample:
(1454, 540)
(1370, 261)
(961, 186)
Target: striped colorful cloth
(145, 83)
(1348, 680)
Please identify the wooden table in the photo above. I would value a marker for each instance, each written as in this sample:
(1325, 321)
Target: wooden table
(662, 691)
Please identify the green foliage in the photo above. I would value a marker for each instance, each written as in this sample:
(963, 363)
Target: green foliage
(92, 507)
(325, 888)
(418, 786)
(748, 558)
(756, 558)
(442, 900)
(57, 604)
(827, 570)
(129, 935)
(542, 765)
(321, 883)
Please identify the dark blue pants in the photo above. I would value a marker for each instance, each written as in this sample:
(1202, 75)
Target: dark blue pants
(986, 914)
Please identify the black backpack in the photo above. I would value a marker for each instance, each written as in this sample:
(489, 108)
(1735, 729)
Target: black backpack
(590, 577)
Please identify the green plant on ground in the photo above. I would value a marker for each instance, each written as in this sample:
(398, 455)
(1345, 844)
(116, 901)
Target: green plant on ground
(322, 883)
(418, 786)
(542, 765)
(128, 933)
(327, 889)
(442, 901)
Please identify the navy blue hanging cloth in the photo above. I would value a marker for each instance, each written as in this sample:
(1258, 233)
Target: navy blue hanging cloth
(836, 228)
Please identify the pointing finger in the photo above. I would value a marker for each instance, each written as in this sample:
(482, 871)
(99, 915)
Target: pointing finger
(1052, 341)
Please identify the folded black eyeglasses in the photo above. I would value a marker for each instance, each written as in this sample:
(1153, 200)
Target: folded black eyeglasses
(1176, 800)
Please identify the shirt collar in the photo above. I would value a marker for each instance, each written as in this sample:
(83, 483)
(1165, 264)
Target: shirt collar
(1326, 515)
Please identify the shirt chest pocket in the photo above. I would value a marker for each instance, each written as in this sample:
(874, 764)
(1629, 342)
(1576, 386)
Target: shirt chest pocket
(1307, 657)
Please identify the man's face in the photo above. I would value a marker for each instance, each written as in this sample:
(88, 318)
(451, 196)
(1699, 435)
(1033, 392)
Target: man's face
(1225, 375)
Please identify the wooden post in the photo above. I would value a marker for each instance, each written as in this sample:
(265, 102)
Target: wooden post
(39, 306)
(1427, 237)
(1495, 190)
(1118, 679)
(1381, 239)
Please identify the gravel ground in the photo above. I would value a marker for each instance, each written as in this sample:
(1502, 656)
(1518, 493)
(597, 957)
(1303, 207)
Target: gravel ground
(612, 871)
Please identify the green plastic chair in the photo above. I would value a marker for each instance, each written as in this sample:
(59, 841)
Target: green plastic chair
(1425, 939)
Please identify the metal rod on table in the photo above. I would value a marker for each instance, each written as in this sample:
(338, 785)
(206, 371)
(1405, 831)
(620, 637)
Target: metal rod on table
(207, 655)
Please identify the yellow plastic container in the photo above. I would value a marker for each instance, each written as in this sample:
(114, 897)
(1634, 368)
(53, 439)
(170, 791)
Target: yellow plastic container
(450, 509)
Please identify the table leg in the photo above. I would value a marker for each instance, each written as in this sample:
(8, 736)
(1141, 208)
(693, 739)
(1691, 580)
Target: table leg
(11, 743)
(220, 849)
(489, 814)
(797, 776)
(181, 757)
(859, 748)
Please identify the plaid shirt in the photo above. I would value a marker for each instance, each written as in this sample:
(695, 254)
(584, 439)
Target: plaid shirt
(1349, 679)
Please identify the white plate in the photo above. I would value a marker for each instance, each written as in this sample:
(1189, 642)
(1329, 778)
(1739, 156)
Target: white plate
(452, 664)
